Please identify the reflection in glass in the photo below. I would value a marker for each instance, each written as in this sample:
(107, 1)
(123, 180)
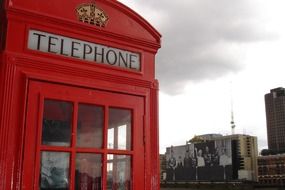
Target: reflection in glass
(90, 126)
(118, 172)
(57, 118)
(119, 129)
(88, 171)
(54, 170)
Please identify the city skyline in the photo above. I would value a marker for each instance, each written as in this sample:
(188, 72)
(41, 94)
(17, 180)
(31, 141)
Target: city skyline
(207, 50)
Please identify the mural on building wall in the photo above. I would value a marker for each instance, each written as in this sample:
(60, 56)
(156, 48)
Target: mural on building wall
(210, 160)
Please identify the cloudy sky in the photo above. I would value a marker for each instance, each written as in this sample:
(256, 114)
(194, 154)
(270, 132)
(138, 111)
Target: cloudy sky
(212, 50)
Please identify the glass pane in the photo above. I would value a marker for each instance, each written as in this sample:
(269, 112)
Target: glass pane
(54, 170)
(119, 130)
(118, 172)
(57, 119)
(88, 171)
(90, 126)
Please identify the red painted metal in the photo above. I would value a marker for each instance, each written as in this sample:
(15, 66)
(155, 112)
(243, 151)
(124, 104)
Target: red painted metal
(28, 76)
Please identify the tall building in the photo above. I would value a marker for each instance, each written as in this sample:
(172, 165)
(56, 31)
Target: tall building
(275, 116)
(213, 157)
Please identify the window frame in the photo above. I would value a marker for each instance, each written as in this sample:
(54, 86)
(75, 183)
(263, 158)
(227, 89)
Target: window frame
(133, 103)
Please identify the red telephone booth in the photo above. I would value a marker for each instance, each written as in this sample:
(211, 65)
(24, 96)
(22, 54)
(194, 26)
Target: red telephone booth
(78, 98)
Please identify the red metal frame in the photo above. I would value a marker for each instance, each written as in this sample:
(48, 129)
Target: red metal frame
(19, 66)
(39, 91)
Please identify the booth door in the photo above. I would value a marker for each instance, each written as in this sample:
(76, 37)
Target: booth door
(82, 139)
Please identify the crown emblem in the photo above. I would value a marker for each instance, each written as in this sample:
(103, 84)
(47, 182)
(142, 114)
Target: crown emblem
(90, 13)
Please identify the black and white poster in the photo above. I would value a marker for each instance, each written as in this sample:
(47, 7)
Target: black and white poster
(210, 160)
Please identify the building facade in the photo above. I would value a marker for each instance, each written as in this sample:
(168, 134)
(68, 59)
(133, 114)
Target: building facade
(162, 158)
(222, 158)
(247, 153)
(275, 117)
(271, 170)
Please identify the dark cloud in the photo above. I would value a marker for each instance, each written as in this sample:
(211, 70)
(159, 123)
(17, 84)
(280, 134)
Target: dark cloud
(202, 39)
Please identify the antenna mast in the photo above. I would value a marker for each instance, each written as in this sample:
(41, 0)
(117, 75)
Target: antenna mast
(232, 111)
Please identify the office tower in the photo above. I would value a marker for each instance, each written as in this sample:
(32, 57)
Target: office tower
(275, 116)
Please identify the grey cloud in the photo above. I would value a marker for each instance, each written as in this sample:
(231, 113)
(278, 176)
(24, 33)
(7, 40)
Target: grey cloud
(198, 36)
